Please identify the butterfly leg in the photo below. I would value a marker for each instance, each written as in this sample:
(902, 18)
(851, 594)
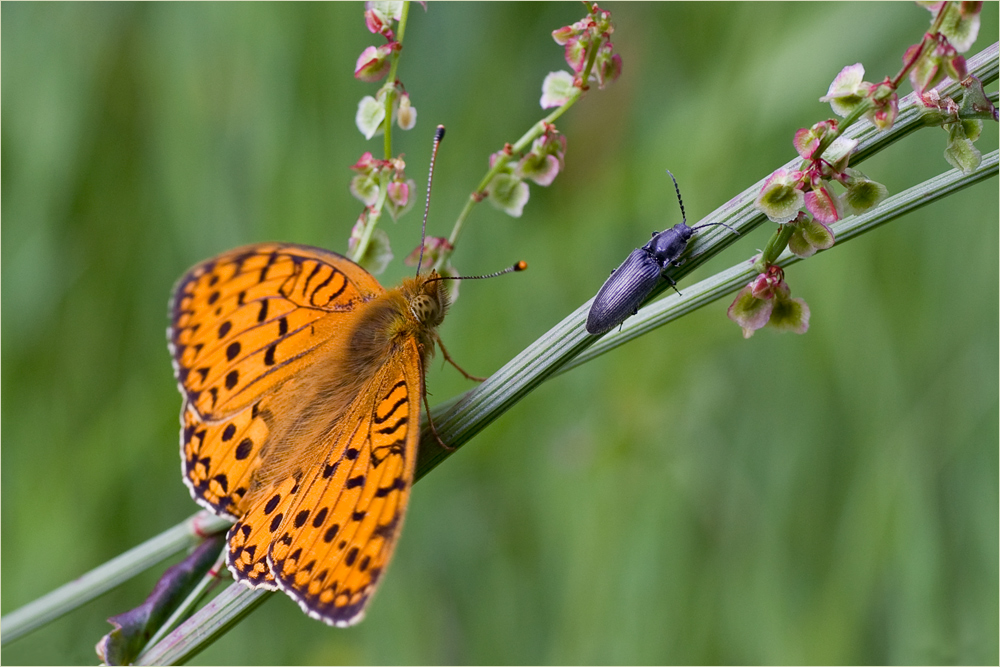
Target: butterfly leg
(452, 362)
(430, 421)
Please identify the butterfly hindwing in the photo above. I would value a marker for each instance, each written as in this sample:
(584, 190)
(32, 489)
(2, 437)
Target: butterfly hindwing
(341, 526)
(218, 459)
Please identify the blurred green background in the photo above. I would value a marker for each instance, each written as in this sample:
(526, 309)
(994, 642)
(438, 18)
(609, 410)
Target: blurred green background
(692, 497)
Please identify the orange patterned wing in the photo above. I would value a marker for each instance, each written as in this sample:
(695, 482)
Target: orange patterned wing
(327, 536)
(242, 325)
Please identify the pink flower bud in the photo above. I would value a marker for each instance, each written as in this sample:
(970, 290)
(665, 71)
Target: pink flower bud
(365, 163)
(398, 200)
(886, 106)
(373, 63)
(399, 193)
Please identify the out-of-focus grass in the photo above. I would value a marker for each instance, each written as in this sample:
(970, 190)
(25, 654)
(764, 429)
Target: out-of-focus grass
(692, 497)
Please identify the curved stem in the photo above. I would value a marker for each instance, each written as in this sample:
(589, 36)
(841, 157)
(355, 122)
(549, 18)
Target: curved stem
(375, 212)
(518, 147)
(390, 85)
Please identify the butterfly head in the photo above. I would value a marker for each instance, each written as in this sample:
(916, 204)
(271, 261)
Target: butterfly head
(427, 299)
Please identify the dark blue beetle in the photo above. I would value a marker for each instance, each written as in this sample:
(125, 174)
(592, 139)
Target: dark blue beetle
(630, 284)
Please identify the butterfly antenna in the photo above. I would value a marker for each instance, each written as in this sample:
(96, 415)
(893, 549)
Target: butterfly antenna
(677, 188)
(519, 266)
(438, 136)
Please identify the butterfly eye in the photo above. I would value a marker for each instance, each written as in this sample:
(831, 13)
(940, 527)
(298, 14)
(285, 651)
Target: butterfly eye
(425, 309)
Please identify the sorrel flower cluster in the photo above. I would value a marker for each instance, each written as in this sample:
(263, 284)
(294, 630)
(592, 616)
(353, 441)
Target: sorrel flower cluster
(373, 65)
(381, 184)
(590, 54)
(802, 200)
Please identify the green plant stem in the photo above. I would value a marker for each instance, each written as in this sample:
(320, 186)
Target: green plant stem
(536, 131)
(518, 147)
(66, 598)
(374, 213)
(226, 610)
(187, 607)
(390, 85)
(774, 247)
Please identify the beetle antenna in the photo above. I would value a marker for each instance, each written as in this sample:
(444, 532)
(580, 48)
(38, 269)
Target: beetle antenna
(679, 200)
(519, 266)
(710, 224)
(684, 216)
(438, 136)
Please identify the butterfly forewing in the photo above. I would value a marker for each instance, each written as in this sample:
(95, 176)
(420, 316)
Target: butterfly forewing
(242, 325)
(246, 320)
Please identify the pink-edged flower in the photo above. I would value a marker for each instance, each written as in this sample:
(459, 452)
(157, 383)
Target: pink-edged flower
(576, 54)
(807, 140)
(823, 204)
(781, 196)
(540, 168)
(399, 197)
(546, 158)
(750, 312)
(809, 236)
(508, 193)
(767, 301)
(789, 314)
(847, 90)
(557, 89)
(373, 63)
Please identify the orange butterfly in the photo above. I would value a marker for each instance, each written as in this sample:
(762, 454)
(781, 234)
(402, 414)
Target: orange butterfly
(302, 379)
